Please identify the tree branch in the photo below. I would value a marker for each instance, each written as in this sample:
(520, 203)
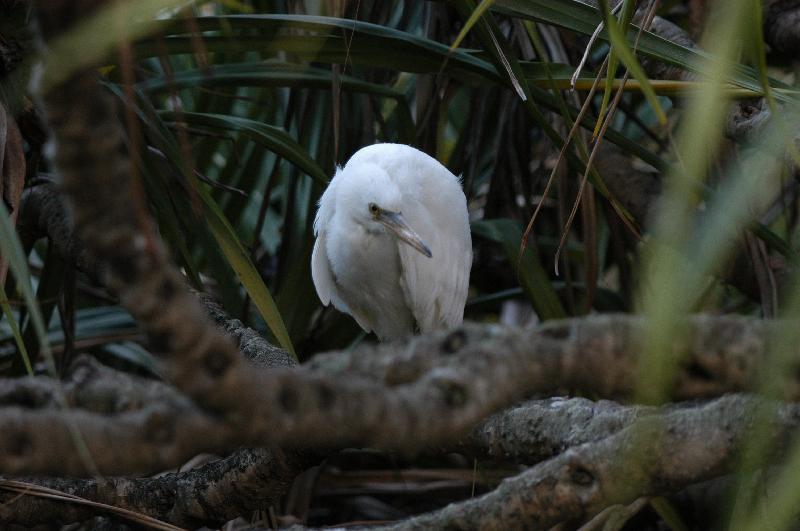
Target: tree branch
(536, 430)
(213, 493)
(251, 344)
(219, 491)
(426, 391)
(655, 456)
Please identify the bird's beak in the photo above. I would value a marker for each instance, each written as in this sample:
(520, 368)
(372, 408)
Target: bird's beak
(394, 222)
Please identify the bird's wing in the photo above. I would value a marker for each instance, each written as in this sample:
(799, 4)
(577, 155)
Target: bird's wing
(321, 272)
(436, 288)
(325, 283)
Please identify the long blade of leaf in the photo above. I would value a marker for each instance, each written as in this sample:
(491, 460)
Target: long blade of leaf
(582, 18)
(483, 6)
(624, 52)
(613, 61)
(531, 272)
(271, 137)
(12, 249)
(12, 323)
(239, 259)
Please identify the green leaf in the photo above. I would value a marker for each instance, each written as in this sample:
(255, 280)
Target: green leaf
(582, 18)
(264, 74)
(269, 136)
(682, 254)
(613, 62)
(367, 44)
(532, 275)
(12, 323)
(239, 259)
(12, 249)
(371, 45)
(483, 6)
(668, 513)
(621, 48)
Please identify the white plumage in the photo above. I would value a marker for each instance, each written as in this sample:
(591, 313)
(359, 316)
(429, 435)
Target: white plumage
(393, 246)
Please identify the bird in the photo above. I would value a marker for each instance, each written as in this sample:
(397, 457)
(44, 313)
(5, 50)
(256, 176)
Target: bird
(392, 242)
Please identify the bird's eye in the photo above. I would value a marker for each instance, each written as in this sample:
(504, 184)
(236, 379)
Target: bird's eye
(373, 208)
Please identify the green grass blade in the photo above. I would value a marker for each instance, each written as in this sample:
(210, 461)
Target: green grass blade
(613, 62)
(239, 260)
(12, 323)
(264, 74)
(582, 18)
(666, 510)
(677, 262)
(473, 18)
(271, 137)
(12, 249)
(626, 55)
(532, 274)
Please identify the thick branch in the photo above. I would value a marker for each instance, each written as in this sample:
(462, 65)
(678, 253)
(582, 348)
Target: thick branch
(251, 344)
(92, 386)
(537, 430)
(528, 433)
(657, 455)
(596, 354)
(156, 437)
(212, 494)
(423, 392)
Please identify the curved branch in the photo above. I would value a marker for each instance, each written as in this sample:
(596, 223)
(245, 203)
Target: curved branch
(251, 344)
(536, 430)
(655, 456)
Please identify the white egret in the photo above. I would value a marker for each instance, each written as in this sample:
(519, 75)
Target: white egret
(393, 246)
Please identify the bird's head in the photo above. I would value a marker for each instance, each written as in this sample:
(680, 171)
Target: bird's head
(374, 201)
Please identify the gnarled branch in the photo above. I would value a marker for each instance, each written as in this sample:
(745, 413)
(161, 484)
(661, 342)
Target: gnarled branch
(656, 455)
